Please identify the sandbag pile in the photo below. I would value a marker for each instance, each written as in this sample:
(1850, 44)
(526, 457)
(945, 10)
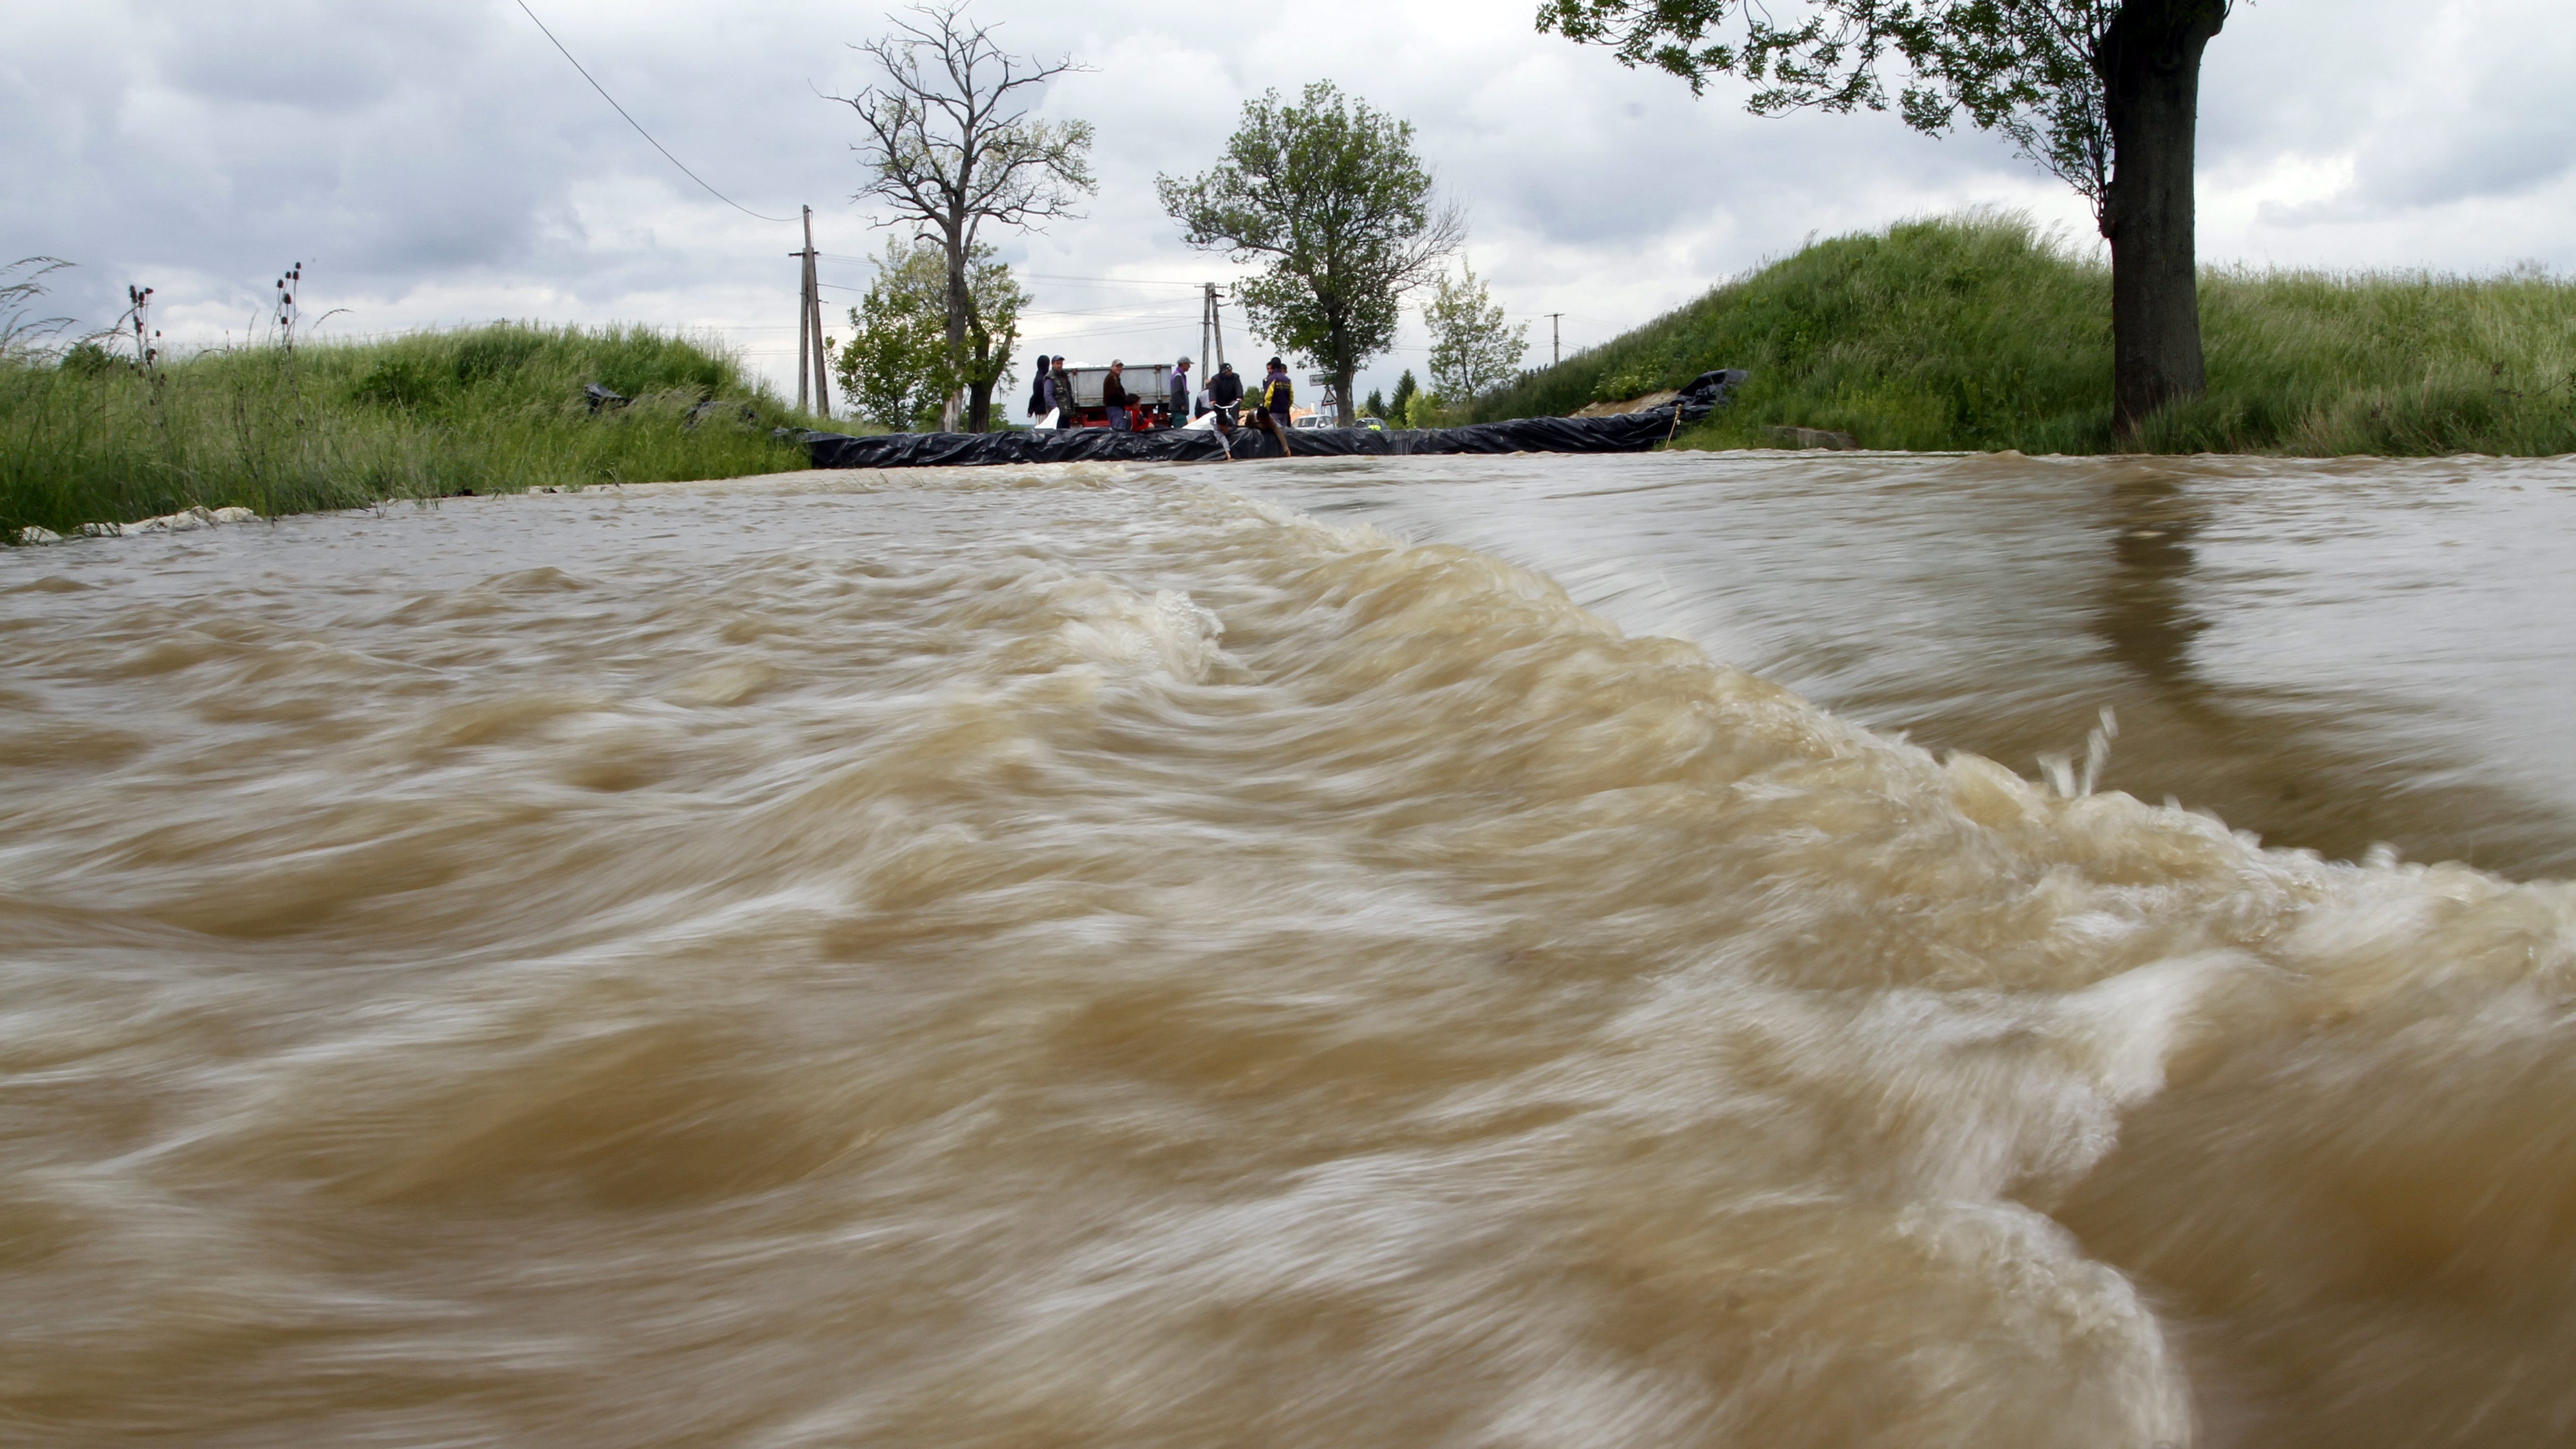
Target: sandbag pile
(1622, 433)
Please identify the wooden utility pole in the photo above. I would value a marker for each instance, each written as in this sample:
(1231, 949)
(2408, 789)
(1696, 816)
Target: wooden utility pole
(1556, 337)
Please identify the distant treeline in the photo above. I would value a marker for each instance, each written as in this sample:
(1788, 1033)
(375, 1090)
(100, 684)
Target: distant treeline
(1980, 333)
(87, 436)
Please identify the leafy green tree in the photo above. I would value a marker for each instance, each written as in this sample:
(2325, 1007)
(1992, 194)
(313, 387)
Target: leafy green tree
(949, 146)
(1400, 405)
(1328, 193)
(1375, 407)
(1472, 347)
(2103, 93)
(897, 368)
(894, 369)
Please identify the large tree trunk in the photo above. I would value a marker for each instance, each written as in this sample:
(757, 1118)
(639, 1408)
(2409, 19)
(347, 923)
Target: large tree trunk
(961, 309)
(1345, 370)
(2150, 68)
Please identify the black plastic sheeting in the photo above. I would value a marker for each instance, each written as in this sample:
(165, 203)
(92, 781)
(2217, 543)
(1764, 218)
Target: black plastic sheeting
(1622, 433)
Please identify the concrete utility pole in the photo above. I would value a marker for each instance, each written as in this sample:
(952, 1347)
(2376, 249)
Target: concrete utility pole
(1556, 337)
(812, 324)
(1211, 333)
(809, 328)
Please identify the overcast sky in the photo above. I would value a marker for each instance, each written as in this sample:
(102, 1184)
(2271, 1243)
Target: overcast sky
(437, 161)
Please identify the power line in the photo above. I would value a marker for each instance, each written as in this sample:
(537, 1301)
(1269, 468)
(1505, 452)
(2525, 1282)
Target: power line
(1117, 281)
(1058, 339)
(1140, 314)
(1156, 330)
(1140, 311)
(1042, 276)
(1136, 309)
(639, 126)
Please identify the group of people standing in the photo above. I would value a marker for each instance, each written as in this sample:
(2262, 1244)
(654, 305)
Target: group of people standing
(1051, 396)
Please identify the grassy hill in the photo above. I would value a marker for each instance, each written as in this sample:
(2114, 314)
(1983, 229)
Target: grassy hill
(1979, 333)
(88, 438)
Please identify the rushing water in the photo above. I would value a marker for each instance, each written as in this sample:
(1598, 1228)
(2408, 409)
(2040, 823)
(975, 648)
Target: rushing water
(1088, 957)
(2332, 654)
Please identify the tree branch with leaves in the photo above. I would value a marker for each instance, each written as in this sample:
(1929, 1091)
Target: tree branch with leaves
(950, 146)
(2103, 94)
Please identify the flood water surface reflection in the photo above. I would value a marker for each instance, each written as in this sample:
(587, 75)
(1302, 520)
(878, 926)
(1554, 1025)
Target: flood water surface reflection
(1300, 955)
(2332, 654)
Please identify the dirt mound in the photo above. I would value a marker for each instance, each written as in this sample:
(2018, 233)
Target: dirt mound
(1647, 403)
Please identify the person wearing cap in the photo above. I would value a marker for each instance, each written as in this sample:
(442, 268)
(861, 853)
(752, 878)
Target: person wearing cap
(1060, 395)
(1178, 391)
(1115, 397)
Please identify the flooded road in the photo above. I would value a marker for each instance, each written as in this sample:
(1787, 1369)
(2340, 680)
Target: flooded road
(1091, 957)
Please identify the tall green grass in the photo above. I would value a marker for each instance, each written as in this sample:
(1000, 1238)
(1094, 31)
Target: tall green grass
(1979, 332)
(87, 438)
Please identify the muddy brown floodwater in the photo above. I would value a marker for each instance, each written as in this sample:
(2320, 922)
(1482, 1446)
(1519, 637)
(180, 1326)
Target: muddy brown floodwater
(1495, 952)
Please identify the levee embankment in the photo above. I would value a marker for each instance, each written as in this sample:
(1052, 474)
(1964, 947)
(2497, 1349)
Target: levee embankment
(1982, 333)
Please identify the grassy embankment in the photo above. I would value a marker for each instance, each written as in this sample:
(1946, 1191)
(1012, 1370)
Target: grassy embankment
(1978, 333)
(335, 425)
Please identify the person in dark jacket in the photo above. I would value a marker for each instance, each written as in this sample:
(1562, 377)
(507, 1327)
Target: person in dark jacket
(1056, 392)
(1115, 397)
(1060, 395)
(1225, 390)
(1038, 401)
(1224, 395)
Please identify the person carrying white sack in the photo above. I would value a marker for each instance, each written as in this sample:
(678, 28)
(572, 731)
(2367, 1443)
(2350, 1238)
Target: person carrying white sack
(1042, 394)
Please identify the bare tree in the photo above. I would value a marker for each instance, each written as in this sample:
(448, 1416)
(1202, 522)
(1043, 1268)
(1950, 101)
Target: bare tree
(950, 147)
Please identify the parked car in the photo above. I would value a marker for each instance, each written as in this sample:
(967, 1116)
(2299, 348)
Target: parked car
(1322, 419)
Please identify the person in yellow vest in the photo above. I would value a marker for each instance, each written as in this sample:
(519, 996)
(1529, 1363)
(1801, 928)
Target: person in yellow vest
(1278, 397)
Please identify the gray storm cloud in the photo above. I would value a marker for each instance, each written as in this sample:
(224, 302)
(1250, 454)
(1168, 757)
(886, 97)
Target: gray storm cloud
(438, 162)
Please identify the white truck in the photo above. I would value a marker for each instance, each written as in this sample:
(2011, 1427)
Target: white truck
(1146, 382)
